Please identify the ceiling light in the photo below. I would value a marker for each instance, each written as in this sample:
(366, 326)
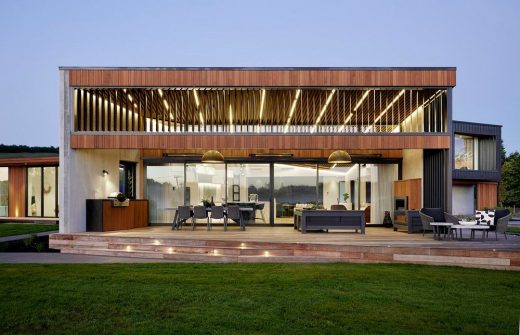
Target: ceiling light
(212, 156)
(201, 118)
(389, 106)
(230, 119)
(130, 98)
(329, 98)
(345, 123)
(293, 107)
(365, 95)
(135, 105)
(160, 92)
(196, 98)
(339, 157)
(166, 104)
(262, 100)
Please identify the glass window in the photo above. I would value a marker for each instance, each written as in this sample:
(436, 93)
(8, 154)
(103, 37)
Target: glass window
(34, 191)
(295, 185)
(127, 179)
(164, 189)
(50, 194)
(205, 182)
(4, 191)
(464, 152)
(250, 183)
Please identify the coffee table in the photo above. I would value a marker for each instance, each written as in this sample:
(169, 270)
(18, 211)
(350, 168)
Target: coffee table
(437, 229)
(472, 226)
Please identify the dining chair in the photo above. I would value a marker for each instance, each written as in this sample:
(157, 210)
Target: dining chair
(217, 213)
(199, 212)
(233, 213)
(183, 214)
(260, 207)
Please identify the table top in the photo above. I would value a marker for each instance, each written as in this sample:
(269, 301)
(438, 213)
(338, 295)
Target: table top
(470, 226)
(242, 209)
(441, 224)
(467, 223)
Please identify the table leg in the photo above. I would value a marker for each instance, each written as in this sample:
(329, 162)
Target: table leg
(175, 224)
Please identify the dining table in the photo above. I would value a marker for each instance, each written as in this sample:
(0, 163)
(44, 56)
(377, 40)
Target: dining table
(208, 210)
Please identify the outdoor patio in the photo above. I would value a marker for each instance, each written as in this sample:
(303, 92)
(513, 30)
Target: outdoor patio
(284, 244)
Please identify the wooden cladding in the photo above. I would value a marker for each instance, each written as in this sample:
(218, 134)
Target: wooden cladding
(411, 188)
(102, 216)
(263, 77)
(17, 183)
(486, 195)
(264, 142)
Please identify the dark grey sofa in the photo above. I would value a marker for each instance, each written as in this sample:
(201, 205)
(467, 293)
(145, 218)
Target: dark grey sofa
(309, 219)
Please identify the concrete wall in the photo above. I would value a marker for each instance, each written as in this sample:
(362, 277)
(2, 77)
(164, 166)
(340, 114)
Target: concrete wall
(463, 200)
(85, 175)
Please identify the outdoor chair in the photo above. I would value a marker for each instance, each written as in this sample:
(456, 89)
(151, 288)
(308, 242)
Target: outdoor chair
(260, 207)
(429, 215)
(233, 213)
(183, 214)
(338, 208)
(199, 212)
(217, 213)
(500, 223)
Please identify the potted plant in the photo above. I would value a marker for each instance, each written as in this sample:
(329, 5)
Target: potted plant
(345, 197)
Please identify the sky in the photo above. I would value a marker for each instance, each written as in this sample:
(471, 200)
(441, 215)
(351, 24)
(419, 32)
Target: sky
(480, 38)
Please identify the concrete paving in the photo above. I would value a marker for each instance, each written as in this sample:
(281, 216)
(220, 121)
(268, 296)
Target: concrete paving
(58, 258)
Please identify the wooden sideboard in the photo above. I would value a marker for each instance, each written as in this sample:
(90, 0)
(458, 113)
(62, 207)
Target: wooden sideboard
(102, 216)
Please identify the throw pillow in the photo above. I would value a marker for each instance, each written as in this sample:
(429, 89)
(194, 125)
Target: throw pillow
(485, 217)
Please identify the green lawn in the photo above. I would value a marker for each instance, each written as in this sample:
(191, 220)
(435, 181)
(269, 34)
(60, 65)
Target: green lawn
(11, 229)
(513, 230)
(257, 299)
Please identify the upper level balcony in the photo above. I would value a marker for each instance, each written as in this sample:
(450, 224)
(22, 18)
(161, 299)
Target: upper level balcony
(261, 110)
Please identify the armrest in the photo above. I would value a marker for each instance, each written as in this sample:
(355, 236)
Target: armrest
(425, 218)
(451, 218)
(503, 222)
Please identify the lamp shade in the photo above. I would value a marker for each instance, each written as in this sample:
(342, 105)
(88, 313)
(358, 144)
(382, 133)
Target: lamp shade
(212, 156)
(339, 157)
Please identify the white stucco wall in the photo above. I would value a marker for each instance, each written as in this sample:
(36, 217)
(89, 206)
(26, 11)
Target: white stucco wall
(463, 200)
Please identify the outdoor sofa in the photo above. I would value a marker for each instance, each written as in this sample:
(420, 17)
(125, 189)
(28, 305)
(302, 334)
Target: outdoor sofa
(321, 219)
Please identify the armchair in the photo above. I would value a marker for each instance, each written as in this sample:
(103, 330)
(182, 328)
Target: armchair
(429, 215)
(501, 226)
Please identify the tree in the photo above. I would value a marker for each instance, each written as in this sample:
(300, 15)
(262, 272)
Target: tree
(511, 180)
(503, 155)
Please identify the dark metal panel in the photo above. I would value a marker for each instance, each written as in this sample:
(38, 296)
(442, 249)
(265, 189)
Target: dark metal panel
(435, 183)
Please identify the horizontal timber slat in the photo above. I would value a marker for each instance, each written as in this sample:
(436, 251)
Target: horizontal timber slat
(273, 142)
(266, 78)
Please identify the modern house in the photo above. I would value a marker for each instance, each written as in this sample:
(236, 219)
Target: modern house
(29, 186)
(144, 131)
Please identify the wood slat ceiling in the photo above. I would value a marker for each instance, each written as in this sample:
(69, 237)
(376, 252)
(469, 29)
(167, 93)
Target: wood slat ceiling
(241, 107)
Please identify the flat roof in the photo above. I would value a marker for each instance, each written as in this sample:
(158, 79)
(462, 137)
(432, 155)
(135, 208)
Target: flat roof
(311, 68)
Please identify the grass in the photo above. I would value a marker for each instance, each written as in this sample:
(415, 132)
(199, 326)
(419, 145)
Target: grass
(12, 229)
(257, 299)
(513, 230)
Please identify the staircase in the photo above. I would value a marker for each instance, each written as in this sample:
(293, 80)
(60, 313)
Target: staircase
(204, 250)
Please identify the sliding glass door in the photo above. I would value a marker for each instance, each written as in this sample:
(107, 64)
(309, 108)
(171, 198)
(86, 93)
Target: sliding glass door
(274, 189)
(294, 186)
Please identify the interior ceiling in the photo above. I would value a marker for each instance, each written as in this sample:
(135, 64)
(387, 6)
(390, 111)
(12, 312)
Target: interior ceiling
(245, 106)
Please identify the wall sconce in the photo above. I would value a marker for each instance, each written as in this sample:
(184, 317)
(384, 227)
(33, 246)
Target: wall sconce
(105, 173)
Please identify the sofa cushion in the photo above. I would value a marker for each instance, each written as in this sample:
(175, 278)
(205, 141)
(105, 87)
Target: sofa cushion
(500, 213)
(486, 217)
(436, 213)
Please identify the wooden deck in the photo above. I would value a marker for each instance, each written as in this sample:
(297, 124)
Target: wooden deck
(284, 244)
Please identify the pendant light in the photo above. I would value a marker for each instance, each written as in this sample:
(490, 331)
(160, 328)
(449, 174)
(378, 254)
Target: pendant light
(212, 156)
(339, 157)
